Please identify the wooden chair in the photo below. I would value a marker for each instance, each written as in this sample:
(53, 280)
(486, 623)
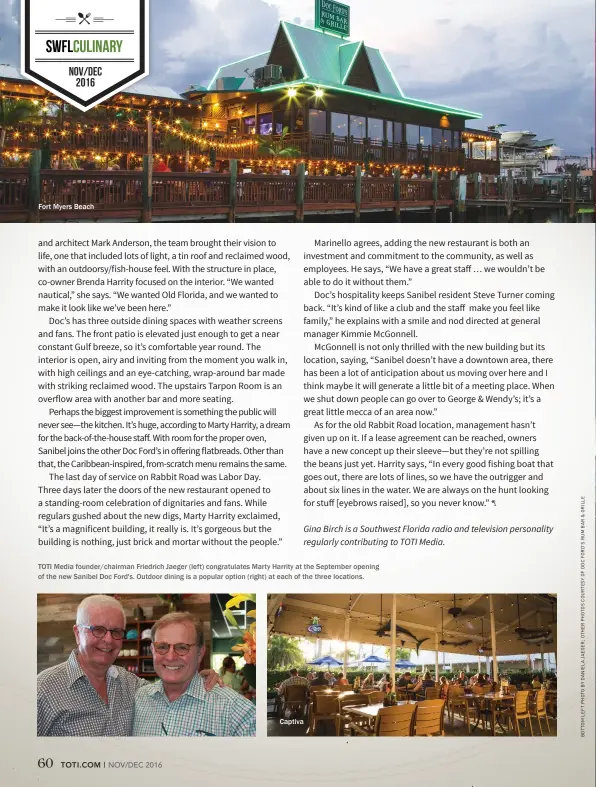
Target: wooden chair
(295, 698)
(456, 701)
(375, 696)
(395, 721)
(323, 708)
(538, 709)
(429, 717)
(432, 693)
(480, 707)
(344, 718)
(519, 711)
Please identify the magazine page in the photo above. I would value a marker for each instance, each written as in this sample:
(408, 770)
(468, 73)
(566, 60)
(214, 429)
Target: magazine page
(298, 407)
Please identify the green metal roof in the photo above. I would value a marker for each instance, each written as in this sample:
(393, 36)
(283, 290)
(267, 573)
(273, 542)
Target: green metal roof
(347, 57)
(385, 79)
(404, 100)
(237, 69)
(326, 61)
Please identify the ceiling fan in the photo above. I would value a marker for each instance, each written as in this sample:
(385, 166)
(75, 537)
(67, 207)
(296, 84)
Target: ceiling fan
(484, 649)
(444, 642)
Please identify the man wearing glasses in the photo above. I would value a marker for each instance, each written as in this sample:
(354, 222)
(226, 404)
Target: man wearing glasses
(88, 695)
(178, 703)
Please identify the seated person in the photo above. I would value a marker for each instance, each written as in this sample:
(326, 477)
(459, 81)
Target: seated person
(384, 684)
(426, 682)
(368, 682)
(461, 679)
(536, 683)
(341, 681)
(320, 680)
(405, 681)
(444, 686)
(294, 680)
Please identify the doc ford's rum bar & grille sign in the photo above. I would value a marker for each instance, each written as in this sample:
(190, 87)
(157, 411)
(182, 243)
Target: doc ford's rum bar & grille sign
(333, 17)
(83, 50)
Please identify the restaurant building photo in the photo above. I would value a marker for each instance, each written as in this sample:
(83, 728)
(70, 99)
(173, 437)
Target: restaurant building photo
(406, 665)
(317, 127)
(130, 665)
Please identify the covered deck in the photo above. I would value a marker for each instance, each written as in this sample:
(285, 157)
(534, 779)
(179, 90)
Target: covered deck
(495, 701)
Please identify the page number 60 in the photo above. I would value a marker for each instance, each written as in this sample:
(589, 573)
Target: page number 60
(45, 763)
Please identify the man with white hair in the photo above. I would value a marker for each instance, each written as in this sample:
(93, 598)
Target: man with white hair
(88, 695)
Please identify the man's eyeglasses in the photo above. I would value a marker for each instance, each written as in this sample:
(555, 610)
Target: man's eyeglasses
(181, 648)
(100, 631)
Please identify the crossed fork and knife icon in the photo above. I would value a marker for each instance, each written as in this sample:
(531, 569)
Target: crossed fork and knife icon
(84, 18)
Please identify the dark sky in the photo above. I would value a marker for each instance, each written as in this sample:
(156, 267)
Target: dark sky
(529, 66)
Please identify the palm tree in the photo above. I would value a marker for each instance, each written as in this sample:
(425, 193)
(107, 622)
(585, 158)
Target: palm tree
(283, 652)
(13, 112)
(401, 654)
(277, 149)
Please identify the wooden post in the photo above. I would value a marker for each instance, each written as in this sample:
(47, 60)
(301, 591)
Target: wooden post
(477, 185)
(462, 188)
(34, 185)
(573, 195)
(149, 136)
(435, 194)
(455, 196)
(393, 649)
(300, 189)
(493, 637)
(357, 191)
(542, 670)
(346, 636)
(436, 656)
(397, 193)
(233, 187)
(530, 182)
(147, 189)
(509, 195)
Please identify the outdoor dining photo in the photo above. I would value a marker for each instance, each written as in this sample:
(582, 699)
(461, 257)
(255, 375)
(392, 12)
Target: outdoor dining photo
(463, 664)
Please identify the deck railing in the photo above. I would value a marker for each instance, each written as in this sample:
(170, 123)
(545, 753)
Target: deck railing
(105, 140)
(113, 194)
(190, 189)
(14, 190)
(321, 190)
(256, 190)
(102, 190)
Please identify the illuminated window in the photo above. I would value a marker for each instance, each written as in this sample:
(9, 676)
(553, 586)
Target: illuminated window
(317, 121)
(412, 134)
(339, 124)
(357, 126)
(426, 136)
(375, 129)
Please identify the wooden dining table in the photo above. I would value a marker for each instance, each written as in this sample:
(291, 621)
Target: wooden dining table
(369, 713)
(493, 698)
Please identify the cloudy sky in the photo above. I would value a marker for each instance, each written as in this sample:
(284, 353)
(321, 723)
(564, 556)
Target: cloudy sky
(529, 65)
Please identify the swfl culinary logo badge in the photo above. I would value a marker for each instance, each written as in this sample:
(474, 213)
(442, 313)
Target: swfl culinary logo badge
(84, 51)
